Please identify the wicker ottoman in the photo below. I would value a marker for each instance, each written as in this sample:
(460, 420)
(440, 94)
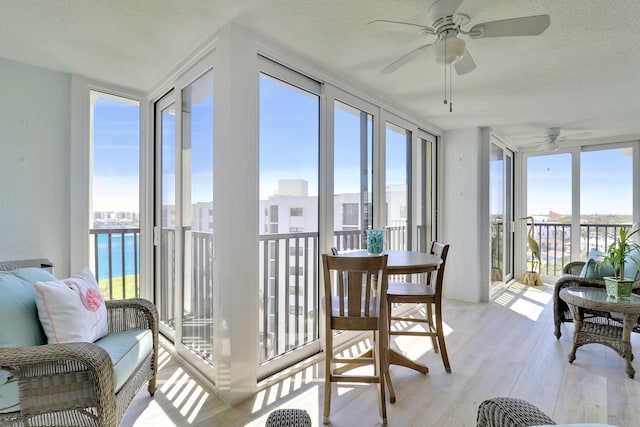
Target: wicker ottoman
(288, 418)
(510, 412)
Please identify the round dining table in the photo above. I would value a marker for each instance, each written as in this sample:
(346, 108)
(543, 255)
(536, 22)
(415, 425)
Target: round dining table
(401, 262)
(404, 262)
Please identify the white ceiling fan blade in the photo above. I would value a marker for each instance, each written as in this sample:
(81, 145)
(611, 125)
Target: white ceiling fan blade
(400, 27)
(442, 8)
(571, 136)
(472, 7)
(404, 59)
(525, 26)
(465, 65)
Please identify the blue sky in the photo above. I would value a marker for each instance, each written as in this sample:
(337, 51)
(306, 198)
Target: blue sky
(289, 150)
(116, 155)
(605, 183)
(288, 136)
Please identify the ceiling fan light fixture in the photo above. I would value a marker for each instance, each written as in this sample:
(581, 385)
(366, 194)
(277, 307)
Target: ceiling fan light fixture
(448, 50)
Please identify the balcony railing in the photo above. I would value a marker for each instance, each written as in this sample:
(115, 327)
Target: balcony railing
(288, 274)
(288, 292)
(117, 261)
(554, 240)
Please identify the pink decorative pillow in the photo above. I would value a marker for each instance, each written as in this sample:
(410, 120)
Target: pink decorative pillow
(72, 310)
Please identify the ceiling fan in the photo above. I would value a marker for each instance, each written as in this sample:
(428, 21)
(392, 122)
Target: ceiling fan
(553, 137)
(448, 17)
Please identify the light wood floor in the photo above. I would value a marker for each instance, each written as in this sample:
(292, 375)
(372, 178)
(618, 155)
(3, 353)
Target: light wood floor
(503, 348)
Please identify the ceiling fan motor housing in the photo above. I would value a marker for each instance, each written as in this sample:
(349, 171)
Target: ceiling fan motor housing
(448, 50)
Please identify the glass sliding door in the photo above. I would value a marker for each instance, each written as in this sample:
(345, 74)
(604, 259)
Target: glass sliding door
(398, 188)
(289, 139)
(352, 176)
(165, 229)
(197, 212)
(509, 210)
(501, 214)
(423, 218)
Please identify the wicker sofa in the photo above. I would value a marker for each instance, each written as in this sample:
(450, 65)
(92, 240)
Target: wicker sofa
(73, 383)
(584, 273)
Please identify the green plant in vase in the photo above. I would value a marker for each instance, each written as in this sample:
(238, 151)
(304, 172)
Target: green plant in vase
(617, 255)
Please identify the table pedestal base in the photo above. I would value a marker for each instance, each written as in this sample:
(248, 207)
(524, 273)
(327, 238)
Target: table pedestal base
(393, 358)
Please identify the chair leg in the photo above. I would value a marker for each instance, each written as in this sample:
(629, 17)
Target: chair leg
(432, 328)
(327, 377)
(443, 347)
(382, 372)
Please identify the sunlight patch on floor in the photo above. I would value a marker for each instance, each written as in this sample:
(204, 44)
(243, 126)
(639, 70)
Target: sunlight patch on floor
(279, 391)
(198, 407)
(527, 308)
(528, 301)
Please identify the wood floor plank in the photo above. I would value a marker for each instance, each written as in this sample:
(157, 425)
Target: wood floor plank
(502, 348)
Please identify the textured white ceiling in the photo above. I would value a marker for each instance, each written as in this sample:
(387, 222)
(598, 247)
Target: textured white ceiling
(581, 74)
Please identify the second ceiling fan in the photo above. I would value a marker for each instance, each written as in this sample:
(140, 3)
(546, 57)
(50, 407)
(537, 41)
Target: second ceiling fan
(448, 18)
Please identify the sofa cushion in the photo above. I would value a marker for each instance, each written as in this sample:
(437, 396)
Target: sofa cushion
(593, 269)
(9, 394)
(127, 350)
(72, 310)
(19, 323)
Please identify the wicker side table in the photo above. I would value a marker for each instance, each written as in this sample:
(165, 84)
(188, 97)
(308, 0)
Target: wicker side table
(601, 330)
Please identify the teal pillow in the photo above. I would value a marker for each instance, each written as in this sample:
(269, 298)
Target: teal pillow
(19, 321)
(593, 269)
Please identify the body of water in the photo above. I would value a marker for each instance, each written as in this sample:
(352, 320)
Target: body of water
(131, 249)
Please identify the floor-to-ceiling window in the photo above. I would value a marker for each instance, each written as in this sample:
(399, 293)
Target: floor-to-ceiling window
(352, 175)
(289, 138)
(424, 212)
(606, 202)
(501, 213)
(184, 257)
(165, 215)
(197, 216)
(578, 200)
(114, 214)
(398, 187)
(549, 203)
(277, 143)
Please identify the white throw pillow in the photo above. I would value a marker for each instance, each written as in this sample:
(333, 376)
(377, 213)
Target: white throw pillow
(72, 310)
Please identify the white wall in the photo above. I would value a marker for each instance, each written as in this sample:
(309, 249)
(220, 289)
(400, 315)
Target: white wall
(465, 213)
(34, 164)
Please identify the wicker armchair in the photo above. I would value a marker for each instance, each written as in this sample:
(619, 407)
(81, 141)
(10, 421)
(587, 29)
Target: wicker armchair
(561, 312)
(510, 412)
(72, 384)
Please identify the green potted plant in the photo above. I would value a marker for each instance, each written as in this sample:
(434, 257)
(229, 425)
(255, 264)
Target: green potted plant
(617, 254)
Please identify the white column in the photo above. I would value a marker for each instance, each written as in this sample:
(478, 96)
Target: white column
(464, 213)
(235, 213)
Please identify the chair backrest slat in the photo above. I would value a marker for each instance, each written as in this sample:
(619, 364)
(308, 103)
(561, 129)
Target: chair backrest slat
(354, 297)
(357, 286)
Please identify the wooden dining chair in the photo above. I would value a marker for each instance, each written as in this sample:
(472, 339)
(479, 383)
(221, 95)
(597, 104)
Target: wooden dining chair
(354, 288)
(430, 294)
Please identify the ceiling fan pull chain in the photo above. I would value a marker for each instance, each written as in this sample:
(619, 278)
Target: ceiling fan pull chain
(450, 89)
(445, 76)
